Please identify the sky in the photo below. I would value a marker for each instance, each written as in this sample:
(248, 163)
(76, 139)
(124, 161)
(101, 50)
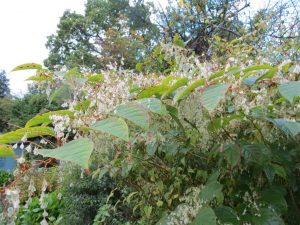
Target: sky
(25, 25)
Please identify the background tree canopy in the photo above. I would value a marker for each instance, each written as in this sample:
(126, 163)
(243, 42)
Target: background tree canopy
(108, 32)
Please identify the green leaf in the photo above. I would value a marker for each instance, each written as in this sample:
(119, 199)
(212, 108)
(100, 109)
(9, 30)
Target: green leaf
(232, 154)
(45, 118)
(210, 191)
(29, 132)
(7, 151)
(275, 196)
(216, 75)
(77, 151)
(290, 90)
(288, 127)
(139, 67)
(269, 74)
(154, 105)
(151, 148)
(205, 216)
(227, 215)
(167, 81)
(267, 217)
(95, 79)
(285, 67)
(134, 113)
(180, 95)
(39, 78)
(279, 170)
(179, 83)
(150, 91)
(212, 96)
(177, 41)
(83, 105)
(218, 123)
(28, 66)
(113, 126)
(63, 93)
(258, 67)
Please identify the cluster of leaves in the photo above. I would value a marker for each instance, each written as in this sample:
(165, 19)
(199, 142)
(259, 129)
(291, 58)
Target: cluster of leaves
(33, 213)
(219, 147)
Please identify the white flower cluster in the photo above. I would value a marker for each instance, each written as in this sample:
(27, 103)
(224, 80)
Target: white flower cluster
(188, 209)
(61, 123)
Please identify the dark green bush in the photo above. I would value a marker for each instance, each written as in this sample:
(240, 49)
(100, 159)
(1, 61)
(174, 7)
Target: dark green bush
(83, 196)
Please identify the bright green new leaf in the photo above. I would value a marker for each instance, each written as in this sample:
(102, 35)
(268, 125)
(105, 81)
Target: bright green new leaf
(153, 90)
(168, 80)
(134, 113)
(212, 96)
(290, 90)
(28, 66)
(154, 105)
(179, 83)
(216, 75)
(288, 127)
(83, 105)
(180, 95)
(29, 132)
(77, 151)
(205, 216)
(113, 126)
(45, 117)
(95, 79)
(7, 151)
(269, 74)
(257, 67)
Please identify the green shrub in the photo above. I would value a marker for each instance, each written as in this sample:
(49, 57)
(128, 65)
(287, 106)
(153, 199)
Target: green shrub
(83, 196)
(33, 214)
(5, 177)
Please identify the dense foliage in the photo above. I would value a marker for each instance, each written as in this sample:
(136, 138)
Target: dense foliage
(179, 140)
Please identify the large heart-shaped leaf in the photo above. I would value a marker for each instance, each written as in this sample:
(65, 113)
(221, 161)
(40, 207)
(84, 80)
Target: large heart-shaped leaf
(113, 126)
(210, 191)
(289, 127)
(134, 113)
(7, 151)
(211, 96)
(227, 215)
(28, 66)
(154, 105)
(290, 90)
(77, 151)
(29, 132)
(268, 217)
(44, 118)
(205, 216)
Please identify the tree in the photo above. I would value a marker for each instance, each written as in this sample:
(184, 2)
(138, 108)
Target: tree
(32, 103)
(4, 86)
(90, 40)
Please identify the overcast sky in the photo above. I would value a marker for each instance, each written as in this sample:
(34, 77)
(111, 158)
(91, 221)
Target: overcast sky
(25, 25)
